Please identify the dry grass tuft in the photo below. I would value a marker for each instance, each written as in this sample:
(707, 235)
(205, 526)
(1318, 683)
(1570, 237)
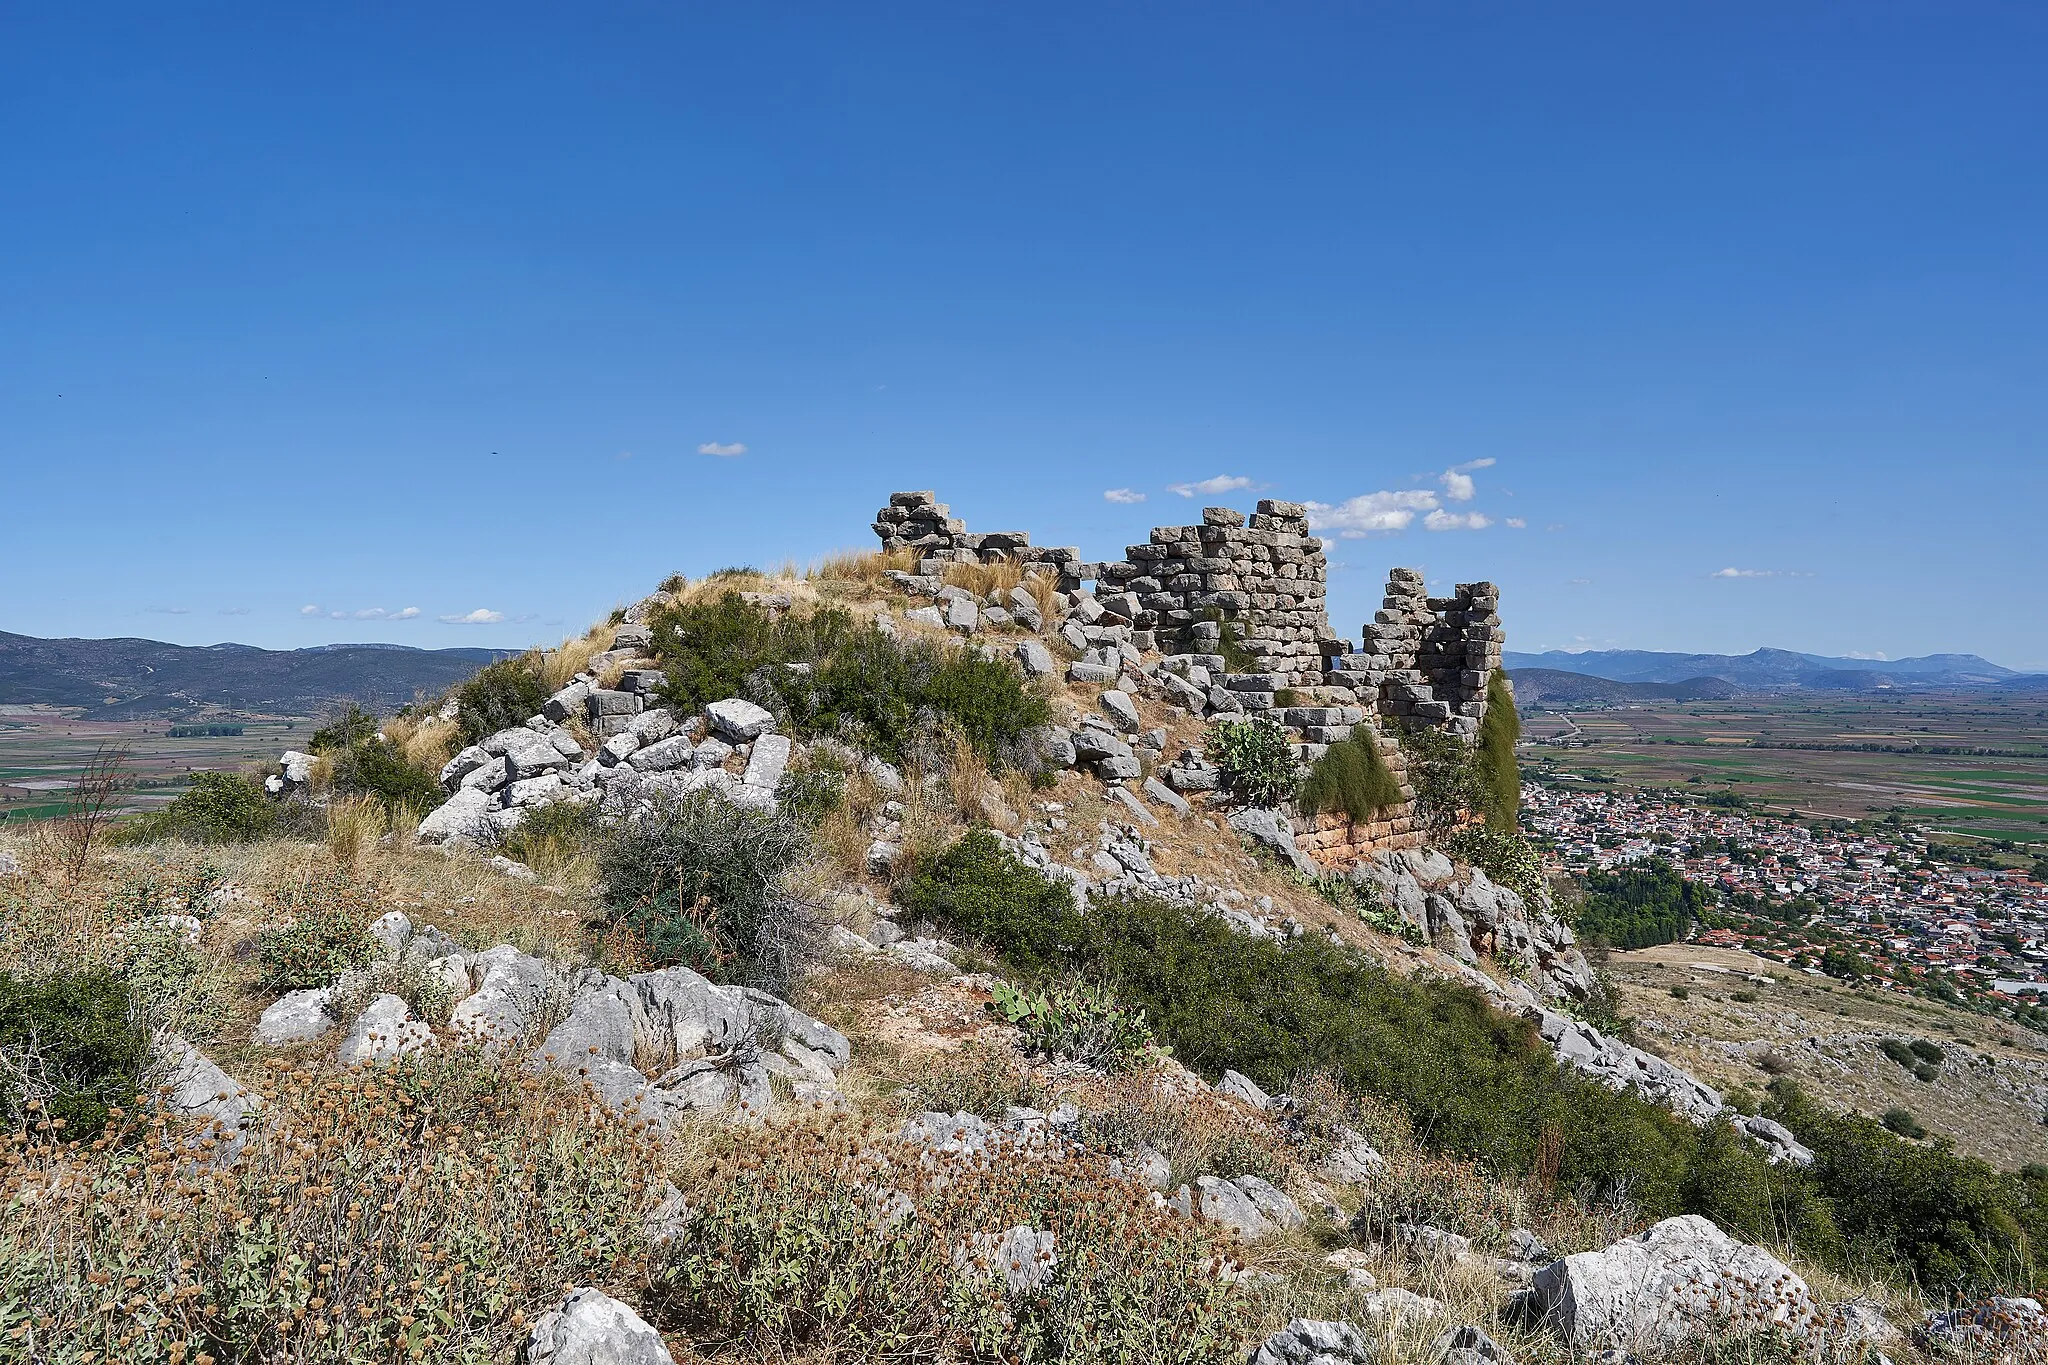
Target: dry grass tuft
(983, 579)
(354, 825)
(560, 665)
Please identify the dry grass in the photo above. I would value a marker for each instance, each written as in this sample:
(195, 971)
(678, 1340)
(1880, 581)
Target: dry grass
(354, 825)
(560, 665)
(865, 567)
(983, 579)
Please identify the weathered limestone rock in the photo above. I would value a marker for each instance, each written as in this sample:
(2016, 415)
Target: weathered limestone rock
(296, 1017)
(738, 720)
(1307, 1341)
(590, 1327)
(383, 1032)
(1654, 1291)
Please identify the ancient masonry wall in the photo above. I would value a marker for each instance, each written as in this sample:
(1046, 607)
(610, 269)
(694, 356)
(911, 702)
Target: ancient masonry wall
(1423, 660)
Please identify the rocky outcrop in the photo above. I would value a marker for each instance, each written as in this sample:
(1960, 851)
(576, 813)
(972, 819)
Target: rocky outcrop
(1465, 912)
(221, 1111)
(1310, 1341)
(590, 1327)
(1653, 1292)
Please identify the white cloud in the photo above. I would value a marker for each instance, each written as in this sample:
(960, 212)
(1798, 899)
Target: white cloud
(1876, 654)
(1758, 573)
(1578, 582)
(338, 614)
(234, 611)
(482, 616)
(168, 611)
(726, 450)
(1395, 509)
(1370, 512)
(1519, 523)
(1125, 495)
(1222, 483)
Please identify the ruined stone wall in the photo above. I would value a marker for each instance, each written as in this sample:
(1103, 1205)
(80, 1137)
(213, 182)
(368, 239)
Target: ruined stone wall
(1426, 660)
(1268, 579)
(1423, 660)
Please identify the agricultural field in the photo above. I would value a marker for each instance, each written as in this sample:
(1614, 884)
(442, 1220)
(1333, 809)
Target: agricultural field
(43, 749)
(1800, 753)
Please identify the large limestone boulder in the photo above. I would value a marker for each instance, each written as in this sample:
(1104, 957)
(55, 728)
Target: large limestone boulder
(590, 1327)
(194, 1088)
(1655, 1291)
(383, 1032)
(296, 1017)
(1308, 1341)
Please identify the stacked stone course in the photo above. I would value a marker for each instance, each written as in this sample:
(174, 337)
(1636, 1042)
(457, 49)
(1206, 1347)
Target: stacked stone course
(918, 521)
(1424, 660)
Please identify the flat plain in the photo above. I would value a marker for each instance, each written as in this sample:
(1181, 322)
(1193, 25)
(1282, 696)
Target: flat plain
(43, 749)
(1800, 752)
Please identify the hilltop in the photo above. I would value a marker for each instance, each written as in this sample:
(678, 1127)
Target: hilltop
(967, 951)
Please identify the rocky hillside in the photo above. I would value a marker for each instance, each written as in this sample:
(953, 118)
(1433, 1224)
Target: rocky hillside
(919, 959)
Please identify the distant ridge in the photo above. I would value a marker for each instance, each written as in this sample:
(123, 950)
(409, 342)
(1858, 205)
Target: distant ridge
(129, 679)
(1551, 686)
(1776, 670)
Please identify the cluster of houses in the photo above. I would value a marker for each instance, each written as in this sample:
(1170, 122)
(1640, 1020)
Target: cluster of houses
(1912, 916)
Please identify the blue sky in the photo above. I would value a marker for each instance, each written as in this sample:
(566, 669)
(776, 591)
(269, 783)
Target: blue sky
(1730, 319)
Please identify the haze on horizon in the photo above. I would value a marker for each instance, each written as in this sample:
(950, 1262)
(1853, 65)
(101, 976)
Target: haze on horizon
(1696, 331)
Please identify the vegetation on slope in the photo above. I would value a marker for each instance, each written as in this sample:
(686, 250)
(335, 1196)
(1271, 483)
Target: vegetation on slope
(1640, 906)
(1480, 1084)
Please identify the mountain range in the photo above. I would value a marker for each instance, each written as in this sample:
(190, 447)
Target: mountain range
(1771, 670)
(131, 679)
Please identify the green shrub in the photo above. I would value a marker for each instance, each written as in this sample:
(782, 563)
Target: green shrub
(1923, 1072)
(1681, 993)
(327, 934)
(1951, 1220)
(706, 884)
(1500, 777)
(1744, 997)
(221, 808)
(171, 985)
(1256, 758)
(549, 836)
(69, 1045)
(1503, 855)
(810, 790)
(1898, 1051)
(1351, 777)
(351, 726)
(1926, 1051)
(1901, 1121)
(373, 767)
(979, 890)
(1080, 1023)
(1445, 777)
(500, 696)
(890, 697)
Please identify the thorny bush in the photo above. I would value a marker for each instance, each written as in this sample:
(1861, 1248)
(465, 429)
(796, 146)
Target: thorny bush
(425, 1211)
(827, 1243)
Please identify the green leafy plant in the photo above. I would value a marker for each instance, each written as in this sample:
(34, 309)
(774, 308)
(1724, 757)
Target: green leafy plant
(1445, 777)
(501, 695)
(708, 884)
(328, 933)
(1504, 855)
(1351, 777)
(1500, 776)
(979, 890)
(171, 985)
(829, 676)
(1256, 758)
(1364, 900)
(70, 1051)
(1900, 1120)
(1078, 1023)
(220, 808)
